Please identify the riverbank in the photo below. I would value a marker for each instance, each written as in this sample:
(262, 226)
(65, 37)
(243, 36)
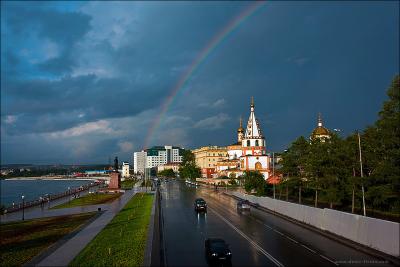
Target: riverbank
(39, 192)
(47, 178)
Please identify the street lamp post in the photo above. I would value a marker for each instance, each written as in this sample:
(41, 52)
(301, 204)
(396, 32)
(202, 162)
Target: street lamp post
(23, 207)
(69, 194)
(362, 174)
(273, 169)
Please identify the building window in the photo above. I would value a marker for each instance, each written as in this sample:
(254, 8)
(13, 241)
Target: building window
(248, 142)
(256, 142)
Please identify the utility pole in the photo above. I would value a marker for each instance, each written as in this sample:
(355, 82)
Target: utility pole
(362, 174)
(273, 170)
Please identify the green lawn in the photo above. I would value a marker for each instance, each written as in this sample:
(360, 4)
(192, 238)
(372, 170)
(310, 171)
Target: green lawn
(89, 199)
(122, 242)
(21, 241)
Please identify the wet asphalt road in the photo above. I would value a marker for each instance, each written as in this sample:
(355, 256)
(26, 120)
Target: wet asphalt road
(256, 238)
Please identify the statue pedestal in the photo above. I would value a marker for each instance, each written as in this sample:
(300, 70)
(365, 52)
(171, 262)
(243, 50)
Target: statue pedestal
(115, 181)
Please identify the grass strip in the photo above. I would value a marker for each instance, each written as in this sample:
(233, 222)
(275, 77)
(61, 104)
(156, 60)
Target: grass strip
(122, 242)
(23, 240)
(89, 199)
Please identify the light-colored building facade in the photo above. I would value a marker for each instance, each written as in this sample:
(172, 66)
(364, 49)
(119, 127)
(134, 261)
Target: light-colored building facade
(125, 170)
(207, 157)
(173, 166)
(160, 155)
(249, 153)
(254, 155)
(139, 162)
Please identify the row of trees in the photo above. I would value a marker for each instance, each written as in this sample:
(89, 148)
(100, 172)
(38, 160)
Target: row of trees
(169, 173)
(332, 169)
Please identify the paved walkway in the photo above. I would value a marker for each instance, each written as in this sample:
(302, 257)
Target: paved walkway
(44, 211)
(63, 255)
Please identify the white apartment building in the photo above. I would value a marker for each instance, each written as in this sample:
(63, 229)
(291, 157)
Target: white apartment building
(125, 169)
(156, 156)
(139, 162)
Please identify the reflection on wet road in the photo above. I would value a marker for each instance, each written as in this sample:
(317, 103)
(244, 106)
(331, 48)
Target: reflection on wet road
(255, 238)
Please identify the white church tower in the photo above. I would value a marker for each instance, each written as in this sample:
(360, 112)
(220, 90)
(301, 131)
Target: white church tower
(254, 155)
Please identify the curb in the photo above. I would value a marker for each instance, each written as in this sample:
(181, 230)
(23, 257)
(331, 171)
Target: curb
(340, 239)
(150, 236)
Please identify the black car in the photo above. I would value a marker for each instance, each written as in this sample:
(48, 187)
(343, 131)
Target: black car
(200, 205)
(217, 251)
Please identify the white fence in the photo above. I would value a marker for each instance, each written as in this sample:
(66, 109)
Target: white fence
(375, 233)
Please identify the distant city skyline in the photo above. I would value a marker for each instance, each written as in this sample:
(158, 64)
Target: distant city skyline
(85, 81)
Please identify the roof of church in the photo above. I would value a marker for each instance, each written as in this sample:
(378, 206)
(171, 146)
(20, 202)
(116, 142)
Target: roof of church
(320, 129)
(236, 144)
(253, 129)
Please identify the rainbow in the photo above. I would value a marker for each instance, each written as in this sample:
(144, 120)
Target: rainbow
(206, 51)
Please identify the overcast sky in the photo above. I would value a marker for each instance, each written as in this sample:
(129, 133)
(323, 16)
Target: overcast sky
(84, 81)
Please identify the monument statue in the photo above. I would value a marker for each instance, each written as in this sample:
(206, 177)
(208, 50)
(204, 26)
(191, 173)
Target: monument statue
(115, 177)
(116, 164)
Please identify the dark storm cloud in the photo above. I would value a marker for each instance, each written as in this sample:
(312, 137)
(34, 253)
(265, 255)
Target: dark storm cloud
(46, 106)
(63, 28)
(83, 81)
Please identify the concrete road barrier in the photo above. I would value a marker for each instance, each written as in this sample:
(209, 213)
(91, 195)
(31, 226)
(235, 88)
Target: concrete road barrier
(375, 233)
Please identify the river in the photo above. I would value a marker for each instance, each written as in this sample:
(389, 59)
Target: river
(32, 189)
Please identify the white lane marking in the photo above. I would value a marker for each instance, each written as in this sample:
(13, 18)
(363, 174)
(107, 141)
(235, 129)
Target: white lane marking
(304, 246)
(269, 256)
(326, 258)
(271, 228)
(292, 239)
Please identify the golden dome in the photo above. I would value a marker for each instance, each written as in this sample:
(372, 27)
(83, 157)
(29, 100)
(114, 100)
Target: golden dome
(320, 130)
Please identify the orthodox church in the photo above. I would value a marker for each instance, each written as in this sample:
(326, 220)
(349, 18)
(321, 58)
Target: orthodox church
(320, 132)
(249, 153)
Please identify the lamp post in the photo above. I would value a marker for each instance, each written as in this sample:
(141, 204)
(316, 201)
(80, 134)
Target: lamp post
(69, 194)
(273, 169)
(23, 207)
(362, 174)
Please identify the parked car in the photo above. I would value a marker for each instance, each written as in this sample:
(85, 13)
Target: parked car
(217, 251)
(200, 205)
(243, 205)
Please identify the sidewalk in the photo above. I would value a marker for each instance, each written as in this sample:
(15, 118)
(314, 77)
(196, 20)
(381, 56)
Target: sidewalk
(63, 255)
(44, 211)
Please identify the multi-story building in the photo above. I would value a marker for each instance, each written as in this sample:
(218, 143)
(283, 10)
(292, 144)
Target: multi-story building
(160, 155)
(156, 156)
(207, 157)
(125, 169)
(139, 162)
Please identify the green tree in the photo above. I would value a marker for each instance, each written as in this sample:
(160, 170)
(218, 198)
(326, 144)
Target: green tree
(381, 153)
(254, 180)
(188, 169)
(293, 163)
(167, 173)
